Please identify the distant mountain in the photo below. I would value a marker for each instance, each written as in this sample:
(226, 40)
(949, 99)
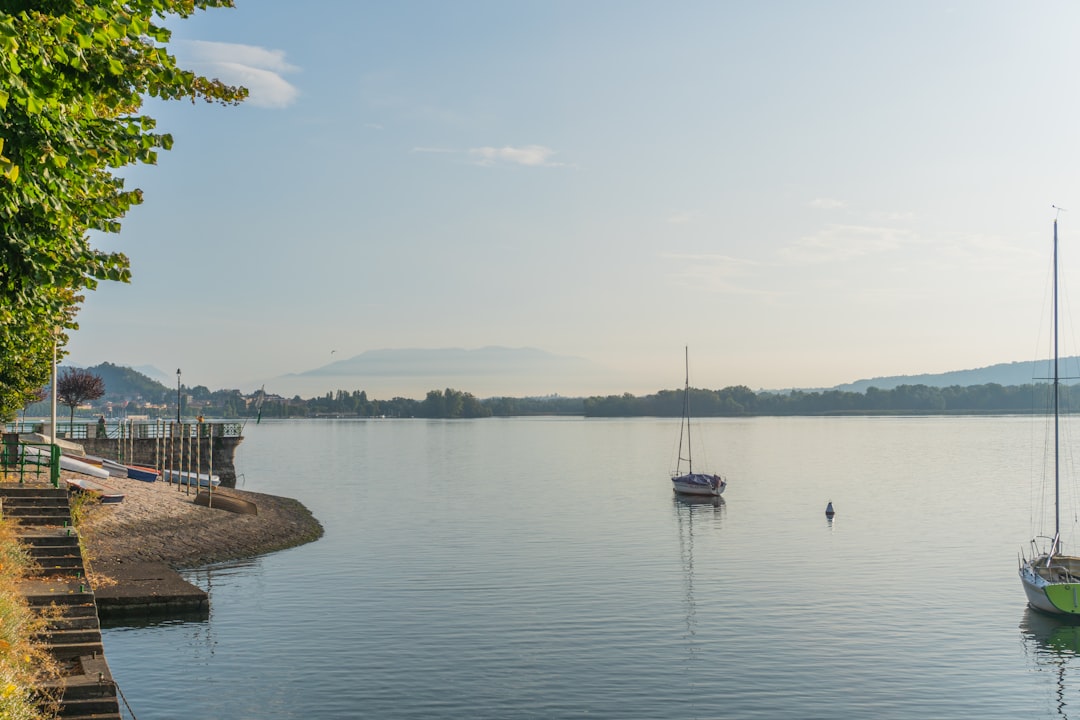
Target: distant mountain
(451, 362)
(521, 372)
(124, 383)
(154, 374)
(486, 372)
(1015, 373)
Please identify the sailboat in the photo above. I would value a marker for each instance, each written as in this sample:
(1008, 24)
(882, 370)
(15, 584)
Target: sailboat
(1051, 579)
(690, 482)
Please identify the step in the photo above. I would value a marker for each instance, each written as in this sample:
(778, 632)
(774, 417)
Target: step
(29, 494)
(9, 505)
(34, 517)
(56, 536)
(97, 708)
(77, 622)
(54, 549)
(73, 571)
(68, 651)
(12, 507)
(62, 591)
(24, 490)
(60, 565)
(76, 611)
(71, 637)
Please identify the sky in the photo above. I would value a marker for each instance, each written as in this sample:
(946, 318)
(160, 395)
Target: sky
(803, 193)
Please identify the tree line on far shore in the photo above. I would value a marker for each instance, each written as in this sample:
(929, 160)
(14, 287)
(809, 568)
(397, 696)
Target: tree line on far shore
(735, 401)
(905, 399)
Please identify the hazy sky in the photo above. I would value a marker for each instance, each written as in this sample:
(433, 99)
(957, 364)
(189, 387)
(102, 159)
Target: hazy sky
(805, 193)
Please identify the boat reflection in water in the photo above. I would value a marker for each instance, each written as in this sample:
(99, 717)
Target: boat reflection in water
(1056, 646)
(704, 510)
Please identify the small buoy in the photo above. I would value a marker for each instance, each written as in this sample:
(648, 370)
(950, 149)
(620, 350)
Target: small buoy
(829, 512)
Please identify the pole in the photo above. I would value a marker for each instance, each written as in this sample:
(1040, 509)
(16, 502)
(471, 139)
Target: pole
(1057, 380)
(52, 427)
(177, 396)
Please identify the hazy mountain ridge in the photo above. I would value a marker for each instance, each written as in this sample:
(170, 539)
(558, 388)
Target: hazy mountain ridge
(460, 366)
(451, 362)
(1014, 373)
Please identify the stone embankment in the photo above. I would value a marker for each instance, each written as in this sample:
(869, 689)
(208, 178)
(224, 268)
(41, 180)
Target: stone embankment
(160, 522)
(134, 547)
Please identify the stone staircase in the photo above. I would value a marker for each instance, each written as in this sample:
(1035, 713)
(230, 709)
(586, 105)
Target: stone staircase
(64, 596)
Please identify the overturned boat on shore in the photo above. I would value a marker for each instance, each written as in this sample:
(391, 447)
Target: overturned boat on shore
(224, 501)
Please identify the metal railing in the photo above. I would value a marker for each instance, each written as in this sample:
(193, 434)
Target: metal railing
(82, 430)
(30, 462)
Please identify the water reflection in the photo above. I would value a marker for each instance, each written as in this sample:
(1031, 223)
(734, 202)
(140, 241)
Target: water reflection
(1056, 645)
(704, 509)
(172, 618)
(691, 500)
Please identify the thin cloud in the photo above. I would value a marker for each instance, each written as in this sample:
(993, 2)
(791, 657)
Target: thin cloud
(836, 243)
(716, 273)
(258, 69)
(529, 155)
(826, 204)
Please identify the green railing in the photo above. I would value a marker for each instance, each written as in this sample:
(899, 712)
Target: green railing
(30, 462)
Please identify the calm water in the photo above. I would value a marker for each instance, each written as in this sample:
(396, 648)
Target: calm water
(541, 568)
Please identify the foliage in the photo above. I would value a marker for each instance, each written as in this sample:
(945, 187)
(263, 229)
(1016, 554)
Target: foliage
(452, 404)
(80, 504)
(25, 363)
(905, 399)
(124, 383)
(73, 75)
(75, 387)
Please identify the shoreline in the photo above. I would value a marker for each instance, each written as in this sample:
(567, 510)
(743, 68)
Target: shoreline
(159, 524)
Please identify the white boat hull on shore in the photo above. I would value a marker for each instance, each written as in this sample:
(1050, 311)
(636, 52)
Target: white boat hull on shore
(69, 463)
(188, 478)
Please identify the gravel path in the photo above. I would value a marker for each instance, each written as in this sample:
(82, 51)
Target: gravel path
(159, 522)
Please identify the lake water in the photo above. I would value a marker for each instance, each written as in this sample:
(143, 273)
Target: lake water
(541, 568)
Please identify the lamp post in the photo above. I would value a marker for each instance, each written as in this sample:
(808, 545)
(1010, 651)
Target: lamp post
(52, 390)
(177, 396)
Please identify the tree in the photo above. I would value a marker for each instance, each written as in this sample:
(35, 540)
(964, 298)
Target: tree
(36, 396)
(74, 386)
(73, 75)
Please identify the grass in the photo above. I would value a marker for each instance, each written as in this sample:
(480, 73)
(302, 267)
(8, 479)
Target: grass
(80, 503)
(25, 664)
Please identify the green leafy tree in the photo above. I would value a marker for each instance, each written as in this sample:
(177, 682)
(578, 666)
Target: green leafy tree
(73, 76)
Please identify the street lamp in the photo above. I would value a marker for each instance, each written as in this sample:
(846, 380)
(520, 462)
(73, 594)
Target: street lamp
(177, 396)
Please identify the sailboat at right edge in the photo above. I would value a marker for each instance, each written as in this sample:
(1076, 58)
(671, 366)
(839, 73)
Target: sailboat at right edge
(1051, 578)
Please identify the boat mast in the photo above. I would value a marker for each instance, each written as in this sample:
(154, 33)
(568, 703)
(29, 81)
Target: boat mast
(1057, 479)
(686, 412)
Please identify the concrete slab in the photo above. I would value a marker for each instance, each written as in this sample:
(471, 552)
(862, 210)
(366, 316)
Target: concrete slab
(145, 588)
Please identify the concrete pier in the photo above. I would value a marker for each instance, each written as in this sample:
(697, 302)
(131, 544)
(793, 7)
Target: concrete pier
(197, 454)
(196, 447)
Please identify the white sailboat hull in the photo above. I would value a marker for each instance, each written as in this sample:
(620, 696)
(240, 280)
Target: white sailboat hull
(1057, 594)
(698, 484)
